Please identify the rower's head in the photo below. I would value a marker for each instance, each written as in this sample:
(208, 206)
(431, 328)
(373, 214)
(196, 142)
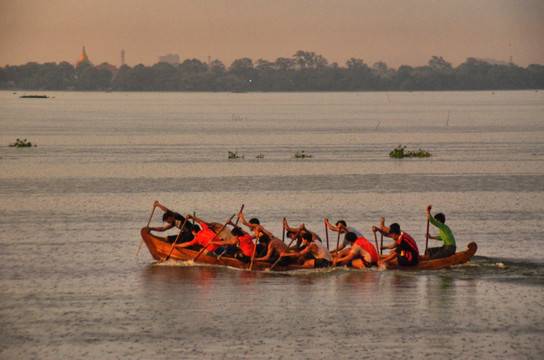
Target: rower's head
(264, 239)
(195, 229)
(351, 237)
(168, 217)
(254, 221)
(440, 218)
(291, 234)
(307, 238)
(341, 222)
(237, 232)
(394, 231)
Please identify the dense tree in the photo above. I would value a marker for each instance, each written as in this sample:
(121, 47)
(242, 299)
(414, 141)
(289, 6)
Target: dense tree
(304, 71)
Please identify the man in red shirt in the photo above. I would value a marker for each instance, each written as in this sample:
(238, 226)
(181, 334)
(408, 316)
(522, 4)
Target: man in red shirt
(203, 237)
(240, 245)
(362, 249)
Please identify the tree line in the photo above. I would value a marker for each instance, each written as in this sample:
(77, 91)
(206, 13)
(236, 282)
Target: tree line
(304, 71)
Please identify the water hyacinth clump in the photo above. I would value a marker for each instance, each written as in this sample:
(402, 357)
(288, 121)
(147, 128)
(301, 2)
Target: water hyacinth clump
(302, 155)
(399, 153)
(22, 143)
(234, 155)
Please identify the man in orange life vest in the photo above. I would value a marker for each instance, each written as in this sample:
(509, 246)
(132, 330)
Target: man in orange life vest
(405, 247)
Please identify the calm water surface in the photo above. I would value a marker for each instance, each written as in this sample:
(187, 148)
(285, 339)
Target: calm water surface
(71, 285)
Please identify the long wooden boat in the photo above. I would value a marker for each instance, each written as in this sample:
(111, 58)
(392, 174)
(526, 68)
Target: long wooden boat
(458, 258)
(160, 248)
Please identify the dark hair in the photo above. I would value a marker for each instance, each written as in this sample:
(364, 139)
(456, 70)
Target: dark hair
(167, 214)
(394, 228)
(307, 236)
(254, 221)
(264, 239)
(289, 233)
(351, 237)
(195, 228)
(440, 217)
(341, 222)
(237, 232)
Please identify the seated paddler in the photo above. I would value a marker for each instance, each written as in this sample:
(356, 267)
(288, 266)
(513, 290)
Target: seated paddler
(203, 236)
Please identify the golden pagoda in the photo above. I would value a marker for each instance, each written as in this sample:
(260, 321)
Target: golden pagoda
(83, 58)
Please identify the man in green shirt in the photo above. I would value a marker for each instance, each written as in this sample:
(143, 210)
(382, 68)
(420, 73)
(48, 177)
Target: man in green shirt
(446, 236)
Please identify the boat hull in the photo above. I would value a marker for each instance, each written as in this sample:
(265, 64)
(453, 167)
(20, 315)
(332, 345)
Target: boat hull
(458, 258)
(160, 249)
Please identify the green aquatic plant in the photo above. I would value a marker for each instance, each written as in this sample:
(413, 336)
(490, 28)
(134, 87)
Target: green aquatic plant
(399, 153)
(302, 155)
(234, 155)
(260, 156)
(21, 143)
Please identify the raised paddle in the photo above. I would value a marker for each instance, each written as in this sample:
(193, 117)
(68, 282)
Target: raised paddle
(174, 244)
(215, 237)
(376, 240)
(238, 218)
(426, 237)
(337, 245)
(254, 250)
(283, 233)
(288, 246)
(148, 222)
(327, 235)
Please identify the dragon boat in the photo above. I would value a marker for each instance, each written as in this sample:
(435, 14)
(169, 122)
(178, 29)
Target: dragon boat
(161, 249)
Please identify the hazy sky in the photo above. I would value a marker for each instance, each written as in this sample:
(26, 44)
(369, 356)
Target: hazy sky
(398, 32)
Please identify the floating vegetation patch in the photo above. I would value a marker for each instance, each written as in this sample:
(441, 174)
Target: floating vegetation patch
(302, 155)
(260, 156)
(399, 153)
(234, 155)
(21, 143)
(236, 117)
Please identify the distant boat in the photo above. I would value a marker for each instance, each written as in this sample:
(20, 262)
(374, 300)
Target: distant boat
(34, 96)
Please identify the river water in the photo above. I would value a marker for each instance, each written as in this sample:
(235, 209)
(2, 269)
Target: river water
(72, 286)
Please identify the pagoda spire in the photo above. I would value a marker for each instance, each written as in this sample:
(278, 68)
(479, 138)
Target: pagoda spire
(83, 58)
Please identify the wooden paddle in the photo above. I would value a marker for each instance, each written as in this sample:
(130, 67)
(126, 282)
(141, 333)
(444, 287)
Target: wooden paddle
(337, 245)
(148, 222)
(327, 235)
(238, 219)
(376, 240)
(381, 245)
(254, 251)
(283, 232)
(215, 237)
(174, 244)
(426, 237)
(288, 246)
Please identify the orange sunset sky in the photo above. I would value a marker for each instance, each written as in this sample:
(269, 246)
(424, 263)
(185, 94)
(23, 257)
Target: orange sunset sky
(398, 32)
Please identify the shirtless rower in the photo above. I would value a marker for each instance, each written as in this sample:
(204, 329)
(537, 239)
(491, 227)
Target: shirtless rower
(313, 254)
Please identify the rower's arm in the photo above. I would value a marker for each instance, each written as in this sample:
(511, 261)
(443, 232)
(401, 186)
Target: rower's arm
(344, 259)
(164, 228)
(267, 256)
(389, 258)
(330, 226)
(290, 229)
